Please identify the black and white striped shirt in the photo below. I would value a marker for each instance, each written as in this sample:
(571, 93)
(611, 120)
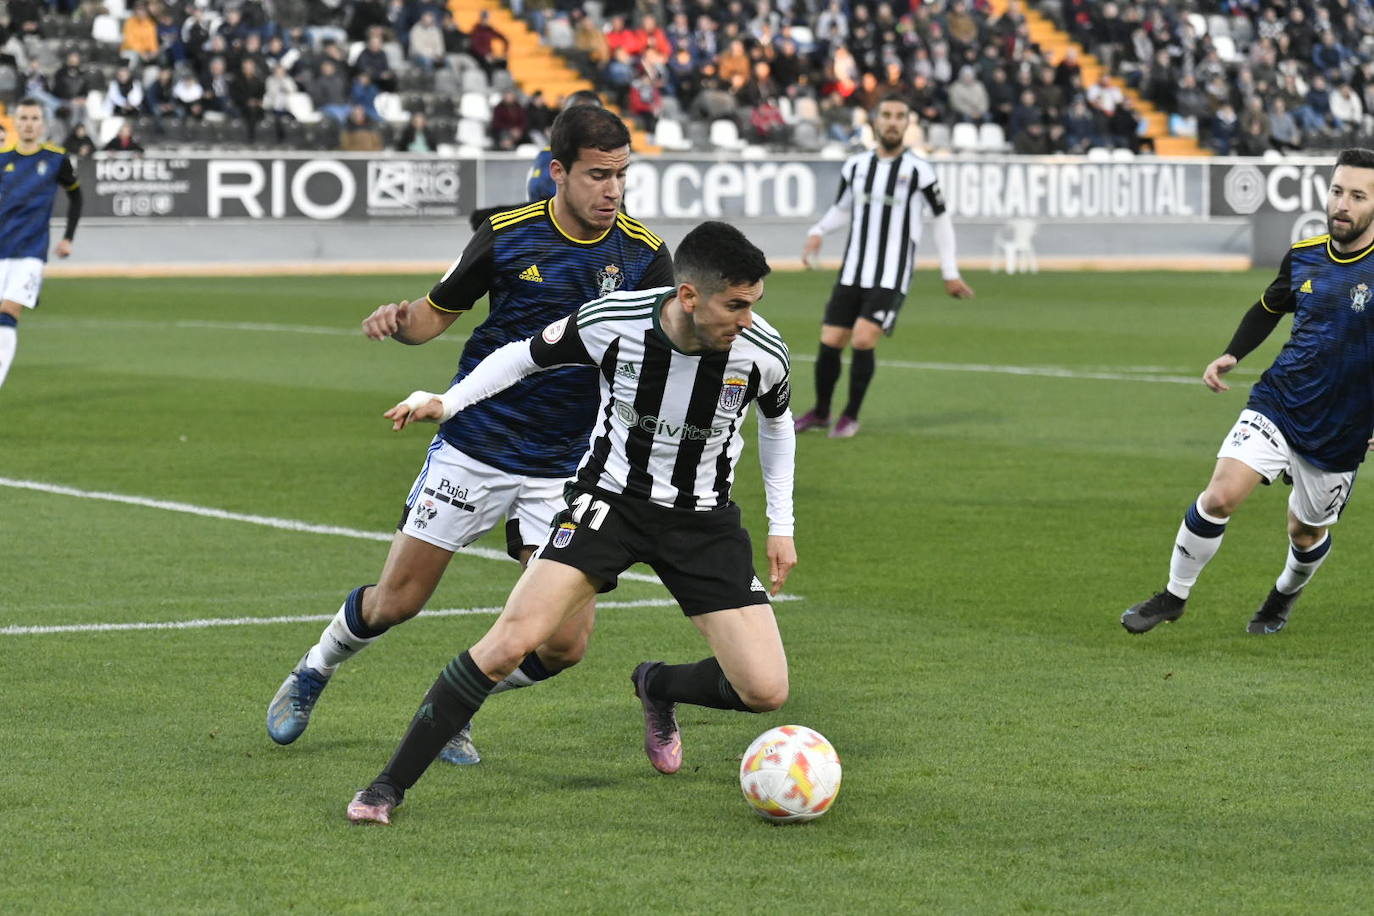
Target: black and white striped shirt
(668, 428)
(878, 197)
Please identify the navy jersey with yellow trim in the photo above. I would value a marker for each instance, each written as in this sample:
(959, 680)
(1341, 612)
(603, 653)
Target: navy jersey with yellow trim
(535, 274)
(28, 183)
(1320, 388)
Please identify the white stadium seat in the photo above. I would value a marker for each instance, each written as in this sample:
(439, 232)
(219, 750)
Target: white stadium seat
(669, 135)
(937, 136)
(389, 107)
(725, 135)
(105, 29)
(1014, 248)
(472, 133)
(474, 105)
(991, 138)
(302, 108)
(1226, 48)
(964, 136)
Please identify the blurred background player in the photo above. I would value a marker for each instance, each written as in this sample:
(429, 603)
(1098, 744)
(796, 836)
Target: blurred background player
(663, 498)
(30, 173)
(1308, 418)
(510, 456)
(540, 184)
(878, 200)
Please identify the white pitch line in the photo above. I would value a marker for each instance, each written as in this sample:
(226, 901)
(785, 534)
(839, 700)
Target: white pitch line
(1110, 374)
(204, 623)
(283, 524)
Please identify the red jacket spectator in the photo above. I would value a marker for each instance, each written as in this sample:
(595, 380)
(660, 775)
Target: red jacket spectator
(649, 35)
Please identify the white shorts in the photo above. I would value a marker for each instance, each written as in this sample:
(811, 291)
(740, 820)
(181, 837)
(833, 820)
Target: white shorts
(457, 499)
(20, 280)
(1318, 496)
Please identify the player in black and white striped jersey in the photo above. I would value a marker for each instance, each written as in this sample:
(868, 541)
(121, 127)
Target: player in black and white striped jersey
(880, 198)
(679, 367)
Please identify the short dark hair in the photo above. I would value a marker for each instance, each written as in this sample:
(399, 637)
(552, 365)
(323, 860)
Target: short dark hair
(715, 255)
(582, 97)
(894, 97)
(1357, 157)
(583, 127)
(29, 101)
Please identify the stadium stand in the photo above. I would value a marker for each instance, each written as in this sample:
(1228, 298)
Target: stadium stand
(986, 76)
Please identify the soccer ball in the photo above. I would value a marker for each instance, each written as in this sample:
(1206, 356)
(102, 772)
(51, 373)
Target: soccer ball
(790, 773)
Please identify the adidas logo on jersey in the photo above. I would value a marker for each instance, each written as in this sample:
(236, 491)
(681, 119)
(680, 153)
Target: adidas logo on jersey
(627, 370)
(756, 586)
(1306, 287)
(531, 273)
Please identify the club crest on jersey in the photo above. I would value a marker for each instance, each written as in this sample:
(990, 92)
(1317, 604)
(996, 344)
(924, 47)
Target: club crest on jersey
(1359, 297)
(564, 534)
(732, 393)
(42, 168)
(609, 277)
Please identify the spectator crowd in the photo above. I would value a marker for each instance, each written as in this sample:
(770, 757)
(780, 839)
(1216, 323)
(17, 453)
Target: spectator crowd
(1240, 76)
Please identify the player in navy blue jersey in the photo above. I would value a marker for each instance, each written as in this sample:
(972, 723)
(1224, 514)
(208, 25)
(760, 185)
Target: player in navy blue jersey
(1309, 418)
(510, 457)
(31, 171)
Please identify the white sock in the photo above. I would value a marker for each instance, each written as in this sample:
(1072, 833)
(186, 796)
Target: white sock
(1302, 564)
(1198, 539)
(337, 645)
(9, 342)
(513, 681)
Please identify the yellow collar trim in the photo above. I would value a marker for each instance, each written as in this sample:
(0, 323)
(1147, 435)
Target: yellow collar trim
(1331, 253)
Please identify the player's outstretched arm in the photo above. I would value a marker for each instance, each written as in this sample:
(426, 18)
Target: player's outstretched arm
(1211, 376)
(502, 368)
(782, 556)
(410, 322)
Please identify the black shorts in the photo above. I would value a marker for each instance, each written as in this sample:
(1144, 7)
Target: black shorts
(704, 558)
(849, 303)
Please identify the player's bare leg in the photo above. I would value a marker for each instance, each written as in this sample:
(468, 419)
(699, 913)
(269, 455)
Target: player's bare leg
(862, 365)
(1309, 545)
(547, 595)
(747, 672)
(412, 571)
(1198, 539)
(747, 644)
(828, 365)
(9, 335)
(565, 648)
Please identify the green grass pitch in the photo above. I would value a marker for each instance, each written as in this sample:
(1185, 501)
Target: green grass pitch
(1024, 462)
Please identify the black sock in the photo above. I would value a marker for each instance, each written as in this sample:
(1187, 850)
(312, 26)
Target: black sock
(701, 684)
(827, 375)
(861, 369)
(457, 693)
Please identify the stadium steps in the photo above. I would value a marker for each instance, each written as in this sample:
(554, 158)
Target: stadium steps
(1054, 42)
(531, 63)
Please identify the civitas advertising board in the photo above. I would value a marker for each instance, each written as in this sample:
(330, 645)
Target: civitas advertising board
(283, 187)
(1285, 201)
